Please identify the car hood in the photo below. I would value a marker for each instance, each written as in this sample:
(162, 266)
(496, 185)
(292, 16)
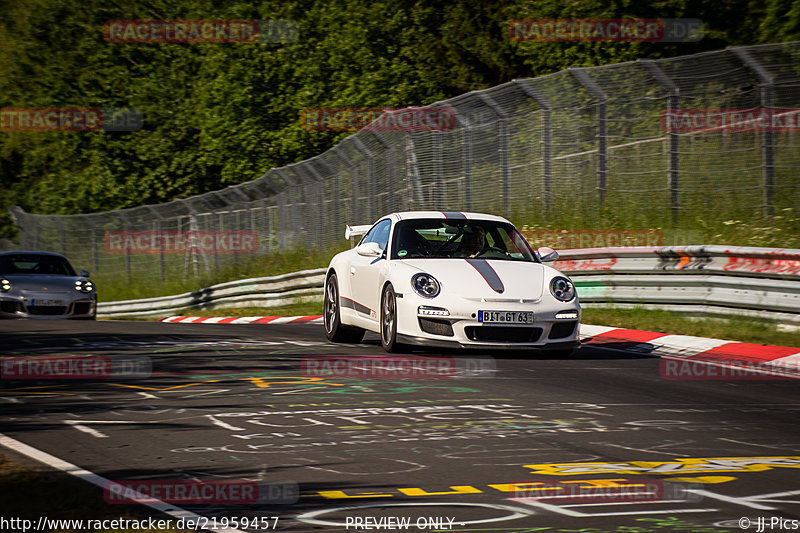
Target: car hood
(489, 279)
(38, 282)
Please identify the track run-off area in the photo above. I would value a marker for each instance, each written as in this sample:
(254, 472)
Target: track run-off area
(318, 436)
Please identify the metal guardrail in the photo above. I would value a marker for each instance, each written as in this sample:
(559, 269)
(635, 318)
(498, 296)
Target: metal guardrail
(262, 292)
(707, 280)
(701, 280)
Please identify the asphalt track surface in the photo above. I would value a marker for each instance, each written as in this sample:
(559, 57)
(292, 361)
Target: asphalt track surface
(488, 450)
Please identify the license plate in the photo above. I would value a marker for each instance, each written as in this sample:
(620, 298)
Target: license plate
(45, 302)
(506, 317)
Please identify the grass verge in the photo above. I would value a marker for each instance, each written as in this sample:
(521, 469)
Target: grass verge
(31, 491)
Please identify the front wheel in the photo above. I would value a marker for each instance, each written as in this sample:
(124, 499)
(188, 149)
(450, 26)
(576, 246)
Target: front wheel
(334, 329)
(389, 320)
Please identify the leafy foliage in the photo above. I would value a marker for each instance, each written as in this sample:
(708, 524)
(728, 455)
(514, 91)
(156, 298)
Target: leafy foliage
(219, 114)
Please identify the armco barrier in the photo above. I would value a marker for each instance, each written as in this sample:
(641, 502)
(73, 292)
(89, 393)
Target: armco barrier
(261, 292)
(701, 280)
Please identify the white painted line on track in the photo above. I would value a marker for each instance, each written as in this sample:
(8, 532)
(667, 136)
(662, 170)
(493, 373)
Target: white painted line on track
(100, 481)
(86, 429)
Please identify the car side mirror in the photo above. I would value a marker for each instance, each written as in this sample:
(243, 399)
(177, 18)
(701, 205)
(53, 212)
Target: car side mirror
(84, 273)
(547, 255)
(370, 249)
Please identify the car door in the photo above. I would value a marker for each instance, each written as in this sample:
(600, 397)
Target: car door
(365, 272)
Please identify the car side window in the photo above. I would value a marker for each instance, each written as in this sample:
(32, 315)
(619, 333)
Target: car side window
(379, 233)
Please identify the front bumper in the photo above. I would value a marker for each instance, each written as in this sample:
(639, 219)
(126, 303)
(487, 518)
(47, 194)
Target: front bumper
(462, 328)
(16, 307)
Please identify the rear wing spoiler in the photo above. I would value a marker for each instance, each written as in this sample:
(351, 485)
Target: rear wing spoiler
(355, 231)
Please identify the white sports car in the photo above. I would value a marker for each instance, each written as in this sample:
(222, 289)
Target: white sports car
(441, 278)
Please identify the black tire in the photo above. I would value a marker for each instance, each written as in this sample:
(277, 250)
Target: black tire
(388, 323)
(334, 329)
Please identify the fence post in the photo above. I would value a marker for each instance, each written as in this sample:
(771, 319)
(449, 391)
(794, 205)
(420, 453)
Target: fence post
(390, 206)
(62, 237)
(245, 200)
(95, 253)
(284, 218)
(321, 199)
(127, 249)
(602, 127)
(194, 228)
(412, 172)
(673, 101)
(547, 145)
(336, 212)
(158, 219)
(354, 210)
(502, 133)
(767, 86)
(466, 129)
(294, 219)
(17, 215)
(361, 147)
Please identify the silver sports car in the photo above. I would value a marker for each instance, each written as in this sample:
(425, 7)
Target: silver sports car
(44, 285)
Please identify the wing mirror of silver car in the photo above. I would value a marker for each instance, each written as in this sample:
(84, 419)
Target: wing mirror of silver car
(370, 249)
(547, 255)
(85, 273)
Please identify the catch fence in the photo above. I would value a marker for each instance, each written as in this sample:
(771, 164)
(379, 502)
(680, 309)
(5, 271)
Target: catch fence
(650, 144)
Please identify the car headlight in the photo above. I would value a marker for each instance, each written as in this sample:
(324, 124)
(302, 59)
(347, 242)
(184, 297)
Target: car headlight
(84, 286)
(562, 288)
(5, 285)
(425, 285)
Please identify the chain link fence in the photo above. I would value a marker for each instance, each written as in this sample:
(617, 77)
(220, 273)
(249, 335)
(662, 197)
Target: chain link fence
(582, 148)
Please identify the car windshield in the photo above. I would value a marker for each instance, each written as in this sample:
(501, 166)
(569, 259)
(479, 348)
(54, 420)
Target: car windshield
(35, 264)
(449, 238)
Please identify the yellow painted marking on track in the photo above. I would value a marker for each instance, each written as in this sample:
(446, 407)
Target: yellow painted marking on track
(703, 479)
(337, 494)
(679, 466)
(259, 382)
(548, 487)
(515, 487)
(457, 489)
(165, 388)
